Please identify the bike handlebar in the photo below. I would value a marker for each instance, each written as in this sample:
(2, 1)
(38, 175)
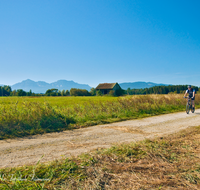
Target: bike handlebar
(187, 97)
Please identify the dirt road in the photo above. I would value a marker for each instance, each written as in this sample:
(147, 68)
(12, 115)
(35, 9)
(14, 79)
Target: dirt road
(15, 152)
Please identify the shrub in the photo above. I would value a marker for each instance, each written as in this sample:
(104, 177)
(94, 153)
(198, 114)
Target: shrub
(79, 92)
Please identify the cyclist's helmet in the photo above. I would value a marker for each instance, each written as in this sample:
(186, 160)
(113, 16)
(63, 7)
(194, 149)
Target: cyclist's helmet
(189, 86)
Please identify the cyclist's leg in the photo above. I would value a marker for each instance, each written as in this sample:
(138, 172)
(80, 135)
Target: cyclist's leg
(193, 108)
(193, 102)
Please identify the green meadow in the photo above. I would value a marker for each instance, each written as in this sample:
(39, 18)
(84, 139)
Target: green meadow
(23, 116)
(162, 163)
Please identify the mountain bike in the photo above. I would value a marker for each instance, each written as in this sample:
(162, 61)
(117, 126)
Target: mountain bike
(189, 105)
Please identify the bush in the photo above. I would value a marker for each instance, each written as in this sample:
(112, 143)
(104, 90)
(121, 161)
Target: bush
(79, 92)
(99, 93)
(112, 93)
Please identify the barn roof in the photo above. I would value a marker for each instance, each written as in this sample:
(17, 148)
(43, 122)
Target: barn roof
(106, 86)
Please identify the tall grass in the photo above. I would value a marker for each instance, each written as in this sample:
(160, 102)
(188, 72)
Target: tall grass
(29, 116)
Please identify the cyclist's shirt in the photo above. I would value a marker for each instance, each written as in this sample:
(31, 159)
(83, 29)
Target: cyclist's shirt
(190, 92)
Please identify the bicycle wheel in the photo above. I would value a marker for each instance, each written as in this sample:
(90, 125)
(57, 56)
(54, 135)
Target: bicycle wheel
(187, 108)
(192, 109)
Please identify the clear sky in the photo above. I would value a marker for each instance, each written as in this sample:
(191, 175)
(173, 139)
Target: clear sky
(97, 41)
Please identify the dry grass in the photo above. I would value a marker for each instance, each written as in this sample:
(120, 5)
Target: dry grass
(170, 162)
(167, 163)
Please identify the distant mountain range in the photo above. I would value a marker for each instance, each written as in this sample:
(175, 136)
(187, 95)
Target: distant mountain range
(42, 87)
(139, 85)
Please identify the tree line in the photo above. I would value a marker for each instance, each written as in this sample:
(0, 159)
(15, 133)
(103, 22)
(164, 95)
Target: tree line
(7, 91)
(177, 89)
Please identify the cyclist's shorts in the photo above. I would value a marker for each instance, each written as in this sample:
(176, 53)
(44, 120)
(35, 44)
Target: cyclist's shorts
(193, 98)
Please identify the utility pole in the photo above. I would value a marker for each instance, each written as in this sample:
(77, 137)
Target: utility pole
(2, 90)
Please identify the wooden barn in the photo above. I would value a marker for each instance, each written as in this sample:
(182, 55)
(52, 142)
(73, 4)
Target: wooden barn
(105, 88)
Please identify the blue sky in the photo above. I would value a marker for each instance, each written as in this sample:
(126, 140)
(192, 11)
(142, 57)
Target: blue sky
(96, 41)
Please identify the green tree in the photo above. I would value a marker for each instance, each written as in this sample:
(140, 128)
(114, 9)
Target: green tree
(29, 93)
(59, 93)
(99, 93)
(63, 93)
(5, 90)
(20, 92)
(67, 93)
(93, 91)
(51, 92)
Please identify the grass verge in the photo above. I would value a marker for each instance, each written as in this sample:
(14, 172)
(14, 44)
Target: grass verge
(29, 117)
(170, 162)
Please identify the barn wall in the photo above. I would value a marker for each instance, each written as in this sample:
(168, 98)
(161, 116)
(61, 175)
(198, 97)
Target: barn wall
(105, 90)
(116, 87)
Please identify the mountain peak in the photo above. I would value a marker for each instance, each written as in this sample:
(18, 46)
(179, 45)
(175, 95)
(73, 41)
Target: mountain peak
(42, 87)
(139, 85)
(28, 80)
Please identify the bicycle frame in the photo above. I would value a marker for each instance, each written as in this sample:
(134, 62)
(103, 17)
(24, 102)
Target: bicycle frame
(189, 105)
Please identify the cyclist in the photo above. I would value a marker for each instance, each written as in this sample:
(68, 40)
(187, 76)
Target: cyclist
(191, 93)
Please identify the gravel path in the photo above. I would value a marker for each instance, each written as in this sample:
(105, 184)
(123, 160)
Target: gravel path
(23, 151)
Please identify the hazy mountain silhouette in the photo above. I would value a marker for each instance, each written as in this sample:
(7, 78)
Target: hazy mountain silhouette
(42, 87)
(139, 85)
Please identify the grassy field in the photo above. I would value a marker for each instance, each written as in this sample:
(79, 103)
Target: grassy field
(164, 163)
(36, 115)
